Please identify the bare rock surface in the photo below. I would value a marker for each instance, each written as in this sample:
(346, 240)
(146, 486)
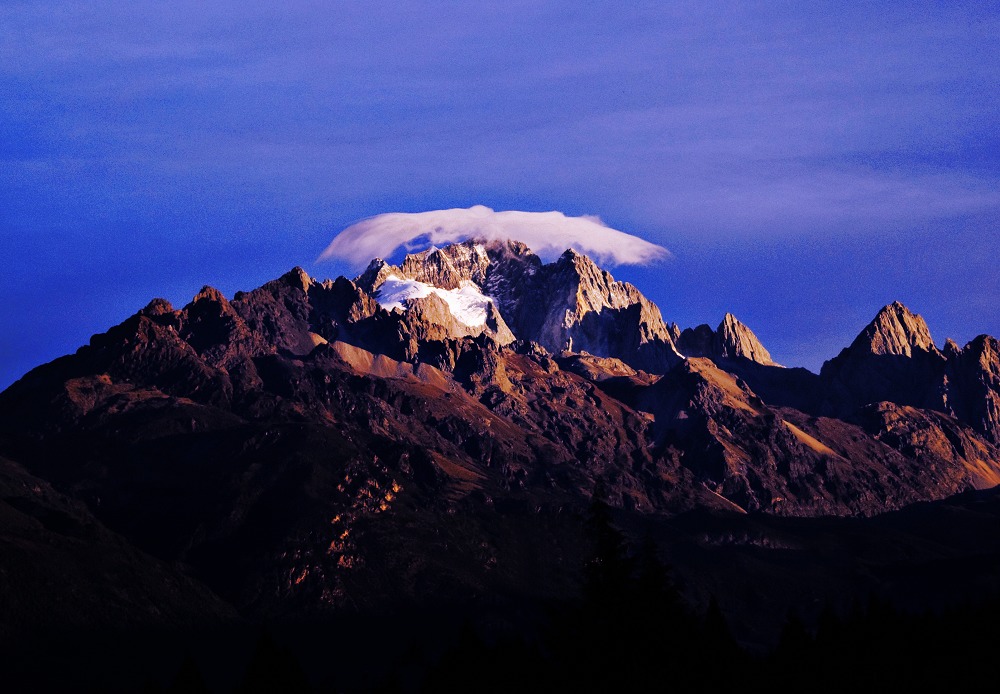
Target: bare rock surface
(730, 340)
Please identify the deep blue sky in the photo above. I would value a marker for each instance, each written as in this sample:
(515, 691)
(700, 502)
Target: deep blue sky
(806, 163)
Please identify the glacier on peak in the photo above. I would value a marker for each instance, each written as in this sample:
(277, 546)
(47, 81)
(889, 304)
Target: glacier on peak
(504, 289)
(467, 303)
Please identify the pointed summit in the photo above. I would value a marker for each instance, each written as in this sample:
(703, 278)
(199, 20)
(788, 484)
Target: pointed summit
(574, 304)
(897, 331)
(157, 307)
(297, 278)
(737, 340)
(447, 267)
(731, 340)
(893, 359)
(374, 275)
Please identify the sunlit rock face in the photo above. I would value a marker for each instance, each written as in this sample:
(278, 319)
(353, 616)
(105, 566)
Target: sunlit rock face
(972, 385)
(570, 304)
(442, 290)
(895, 331)
(582, 308)
(731, 340)
(893, 359)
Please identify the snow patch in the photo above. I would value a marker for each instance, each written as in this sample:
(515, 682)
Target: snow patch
(467, 304)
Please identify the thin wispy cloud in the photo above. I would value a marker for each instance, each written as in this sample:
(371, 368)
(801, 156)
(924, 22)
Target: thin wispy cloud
(548, 234)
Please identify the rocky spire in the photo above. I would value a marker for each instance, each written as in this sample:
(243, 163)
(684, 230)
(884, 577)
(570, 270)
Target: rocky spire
(574, 302)
(734, 339)
(731, 340)
(459, 267)
(297, 278)
(973, 384)
(374, 275)
(893, 359)
(569, 302)
(896, 331)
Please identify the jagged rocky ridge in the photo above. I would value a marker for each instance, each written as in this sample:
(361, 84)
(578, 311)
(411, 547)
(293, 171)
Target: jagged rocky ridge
(300, 445)
(570, 304)
(894, 359)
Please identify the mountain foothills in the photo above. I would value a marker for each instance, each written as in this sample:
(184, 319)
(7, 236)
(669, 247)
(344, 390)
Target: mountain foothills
(436, 430)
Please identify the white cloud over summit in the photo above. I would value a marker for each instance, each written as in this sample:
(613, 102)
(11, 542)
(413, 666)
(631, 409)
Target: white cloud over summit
(548, 234)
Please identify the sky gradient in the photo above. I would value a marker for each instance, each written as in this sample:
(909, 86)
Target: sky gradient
(805, 164)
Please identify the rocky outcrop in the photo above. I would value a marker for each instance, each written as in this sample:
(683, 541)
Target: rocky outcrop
(585, 309)
(573, 305)
(730, 340)
(949, 454)
(450, 268)
(895, 331)
(737, 341)
(893, 359)
(972, 385)
(570, 304)
(447, 267)
(281, 313)
(782, 461)
(699, 341)
(429, 319)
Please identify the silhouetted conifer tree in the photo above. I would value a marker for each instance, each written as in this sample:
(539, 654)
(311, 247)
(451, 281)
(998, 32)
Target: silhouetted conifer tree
(608, 568)
(718, 637)
(188, 679)
(654, 586)
(717, 663)
(794, 653)
(273, 670)
(463, 665)
(151, 687)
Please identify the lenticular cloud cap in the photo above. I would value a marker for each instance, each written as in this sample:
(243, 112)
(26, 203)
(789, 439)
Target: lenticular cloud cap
(547, 233)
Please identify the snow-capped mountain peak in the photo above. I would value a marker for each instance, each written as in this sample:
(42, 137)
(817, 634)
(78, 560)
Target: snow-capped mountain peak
(467, 303)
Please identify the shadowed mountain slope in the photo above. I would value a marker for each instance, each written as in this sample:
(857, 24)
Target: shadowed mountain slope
(302, 447)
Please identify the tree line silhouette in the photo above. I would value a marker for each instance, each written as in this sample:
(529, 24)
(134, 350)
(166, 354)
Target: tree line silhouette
(629, 629)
